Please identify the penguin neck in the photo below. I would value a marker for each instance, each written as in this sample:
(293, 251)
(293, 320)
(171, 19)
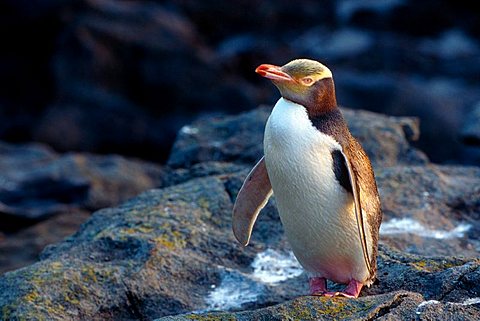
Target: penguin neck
(323, 100)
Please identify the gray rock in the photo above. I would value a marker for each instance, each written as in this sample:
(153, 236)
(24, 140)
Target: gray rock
(45, 196)
(240, 138)
(392, 306)
(431, 210)
(471, 128)
(171, 251)
(36, 183)
(23, 247)
(439, 102)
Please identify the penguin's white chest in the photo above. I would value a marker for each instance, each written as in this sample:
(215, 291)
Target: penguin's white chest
(316, 211)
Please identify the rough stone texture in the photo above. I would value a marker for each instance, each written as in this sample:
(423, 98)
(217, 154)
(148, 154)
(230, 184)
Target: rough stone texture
(449, 311)
(392, 306)
(36, 183)
(159, 254)
(23, 247)
(240, 138)
(51, 195)
(438, 197)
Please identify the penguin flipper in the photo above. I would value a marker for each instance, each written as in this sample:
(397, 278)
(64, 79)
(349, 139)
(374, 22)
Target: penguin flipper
(358, 212)
(252, 197)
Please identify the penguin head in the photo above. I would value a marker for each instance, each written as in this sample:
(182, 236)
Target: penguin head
(303, 81)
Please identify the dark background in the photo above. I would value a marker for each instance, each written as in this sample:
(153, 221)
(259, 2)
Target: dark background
(123, 76)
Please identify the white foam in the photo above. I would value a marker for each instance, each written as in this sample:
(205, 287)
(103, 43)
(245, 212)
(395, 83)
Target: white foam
(425, 303)
(470, 301)
(272, 267)
(408, 225)
(234, 290)
(269, 268)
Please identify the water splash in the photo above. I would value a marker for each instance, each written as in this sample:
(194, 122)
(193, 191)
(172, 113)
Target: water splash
(408, 225)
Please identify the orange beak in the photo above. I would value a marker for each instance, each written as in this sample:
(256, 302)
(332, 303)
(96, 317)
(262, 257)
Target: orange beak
(273, 72)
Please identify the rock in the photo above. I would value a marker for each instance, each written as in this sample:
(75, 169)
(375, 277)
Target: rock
(171, 251)
(240, 138)
(471, 127)
(120, 71)
(397, 306)
(37, 183)
(434, 310)
(23, 247)
(386, 139)
(109, 77)
(431, 210)
(104, 123)
(233, 138)
(54, 194)
(438, 102)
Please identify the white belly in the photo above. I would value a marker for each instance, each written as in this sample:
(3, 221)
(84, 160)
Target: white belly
(317, 213)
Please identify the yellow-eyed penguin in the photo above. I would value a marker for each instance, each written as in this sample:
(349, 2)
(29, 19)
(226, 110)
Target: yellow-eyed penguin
(323, 182)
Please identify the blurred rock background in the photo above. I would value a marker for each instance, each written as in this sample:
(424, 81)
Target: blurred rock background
(122, 77)
(79, 77)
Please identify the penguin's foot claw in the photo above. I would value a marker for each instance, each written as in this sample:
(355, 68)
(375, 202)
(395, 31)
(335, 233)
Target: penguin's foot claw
(330, 294)
(341, 294)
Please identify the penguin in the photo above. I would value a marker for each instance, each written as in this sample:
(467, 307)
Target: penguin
(322, 179)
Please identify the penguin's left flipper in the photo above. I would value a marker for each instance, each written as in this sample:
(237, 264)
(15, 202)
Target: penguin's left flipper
(358, 209)
(252, 197)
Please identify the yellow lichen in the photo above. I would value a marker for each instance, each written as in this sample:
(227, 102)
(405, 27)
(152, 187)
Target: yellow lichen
(211, 317)
(31, 296)
(427, 265)
(204, 203)
(89, 274)
(171, 241)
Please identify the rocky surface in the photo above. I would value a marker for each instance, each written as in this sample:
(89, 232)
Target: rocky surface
(109, 76)
(431, 209)
(399, 305)
(169, 253)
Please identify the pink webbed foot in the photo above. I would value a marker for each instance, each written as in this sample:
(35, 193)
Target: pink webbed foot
(351, 291)
(318, 286)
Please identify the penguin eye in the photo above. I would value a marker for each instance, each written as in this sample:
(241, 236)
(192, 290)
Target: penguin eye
(307, 81)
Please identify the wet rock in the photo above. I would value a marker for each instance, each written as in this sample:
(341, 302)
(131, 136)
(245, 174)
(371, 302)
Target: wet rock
(240, 138)
(171, 251)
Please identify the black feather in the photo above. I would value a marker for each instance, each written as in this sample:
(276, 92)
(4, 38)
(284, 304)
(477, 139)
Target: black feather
(341, 171)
